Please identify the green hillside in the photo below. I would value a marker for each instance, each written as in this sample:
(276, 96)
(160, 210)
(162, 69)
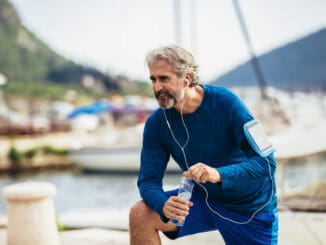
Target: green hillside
(27, 62)
(299, 65)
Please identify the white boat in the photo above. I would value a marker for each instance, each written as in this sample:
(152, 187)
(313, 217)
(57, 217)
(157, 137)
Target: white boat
(115, 160)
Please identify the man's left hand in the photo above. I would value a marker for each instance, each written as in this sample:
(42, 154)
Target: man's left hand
(202, 173)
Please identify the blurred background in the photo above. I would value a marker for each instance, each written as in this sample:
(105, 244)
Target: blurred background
(75, 93)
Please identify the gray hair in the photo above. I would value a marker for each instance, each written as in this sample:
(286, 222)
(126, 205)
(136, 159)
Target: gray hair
(182, 61)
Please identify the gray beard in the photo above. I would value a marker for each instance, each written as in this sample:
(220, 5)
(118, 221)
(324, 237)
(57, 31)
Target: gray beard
(167, 103)
(171, 101)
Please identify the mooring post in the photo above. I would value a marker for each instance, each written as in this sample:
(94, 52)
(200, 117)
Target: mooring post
(31, 214)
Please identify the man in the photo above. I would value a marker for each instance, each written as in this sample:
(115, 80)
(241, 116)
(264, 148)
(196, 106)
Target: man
(202, 128)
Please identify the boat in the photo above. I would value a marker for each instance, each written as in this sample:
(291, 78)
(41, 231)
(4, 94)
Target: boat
(112, 160)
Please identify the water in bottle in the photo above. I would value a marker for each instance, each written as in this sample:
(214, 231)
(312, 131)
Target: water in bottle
(185, 190)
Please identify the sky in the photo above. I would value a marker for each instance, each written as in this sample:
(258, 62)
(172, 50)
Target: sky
(115, 35)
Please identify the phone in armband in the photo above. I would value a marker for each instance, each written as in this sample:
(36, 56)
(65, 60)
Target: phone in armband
(257, 138)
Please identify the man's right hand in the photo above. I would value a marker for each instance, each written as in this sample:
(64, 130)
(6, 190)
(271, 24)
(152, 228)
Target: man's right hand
(176, 208)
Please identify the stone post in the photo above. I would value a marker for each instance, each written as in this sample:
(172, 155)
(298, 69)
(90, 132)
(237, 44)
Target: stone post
(31, 215)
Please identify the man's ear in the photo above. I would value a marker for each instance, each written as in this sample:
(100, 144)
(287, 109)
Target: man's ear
(188, 79)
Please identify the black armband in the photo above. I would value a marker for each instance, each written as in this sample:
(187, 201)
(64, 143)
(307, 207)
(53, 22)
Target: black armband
(245, 146)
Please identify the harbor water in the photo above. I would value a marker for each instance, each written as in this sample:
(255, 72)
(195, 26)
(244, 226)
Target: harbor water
(103, 192)
(81, 192)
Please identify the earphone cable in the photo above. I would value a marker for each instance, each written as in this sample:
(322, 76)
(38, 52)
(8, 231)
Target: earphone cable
(182, 148)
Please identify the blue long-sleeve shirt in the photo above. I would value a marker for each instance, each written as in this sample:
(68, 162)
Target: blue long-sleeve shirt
(216, 133)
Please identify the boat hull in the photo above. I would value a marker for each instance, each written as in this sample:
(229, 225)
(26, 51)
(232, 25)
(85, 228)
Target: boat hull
(106, 160)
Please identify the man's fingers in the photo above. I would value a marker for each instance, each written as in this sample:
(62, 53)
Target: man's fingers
(203, 173)
(172, 211)
(180, 202)
(187, 174)
(175, 207)
(196, 172)
(199, 173)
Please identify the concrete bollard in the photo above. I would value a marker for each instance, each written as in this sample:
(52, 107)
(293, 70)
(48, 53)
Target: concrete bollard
(31, 215)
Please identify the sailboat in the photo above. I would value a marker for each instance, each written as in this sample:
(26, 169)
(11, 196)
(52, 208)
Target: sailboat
(112, 160)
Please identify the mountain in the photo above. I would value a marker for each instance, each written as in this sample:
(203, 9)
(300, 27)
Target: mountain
(26, 59)
(299, 65)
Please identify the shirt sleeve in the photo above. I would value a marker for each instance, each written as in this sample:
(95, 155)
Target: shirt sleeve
(154, 159)
(254, 166)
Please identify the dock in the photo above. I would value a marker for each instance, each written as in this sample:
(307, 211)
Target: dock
(295, 228)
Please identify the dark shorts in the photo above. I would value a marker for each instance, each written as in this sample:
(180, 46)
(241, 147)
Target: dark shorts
(262, 229)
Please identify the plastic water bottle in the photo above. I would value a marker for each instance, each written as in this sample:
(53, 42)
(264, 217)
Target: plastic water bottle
(185, 191)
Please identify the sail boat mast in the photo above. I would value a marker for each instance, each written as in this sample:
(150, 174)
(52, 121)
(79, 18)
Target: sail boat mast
(177, 22)
(254, 61)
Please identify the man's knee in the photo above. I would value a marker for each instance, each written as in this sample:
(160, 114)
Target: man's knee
(139, 213)
(143, 223)
(143, 217)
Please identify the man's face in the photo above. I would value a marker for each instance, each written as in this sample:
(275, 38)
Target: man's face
(166, 85)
